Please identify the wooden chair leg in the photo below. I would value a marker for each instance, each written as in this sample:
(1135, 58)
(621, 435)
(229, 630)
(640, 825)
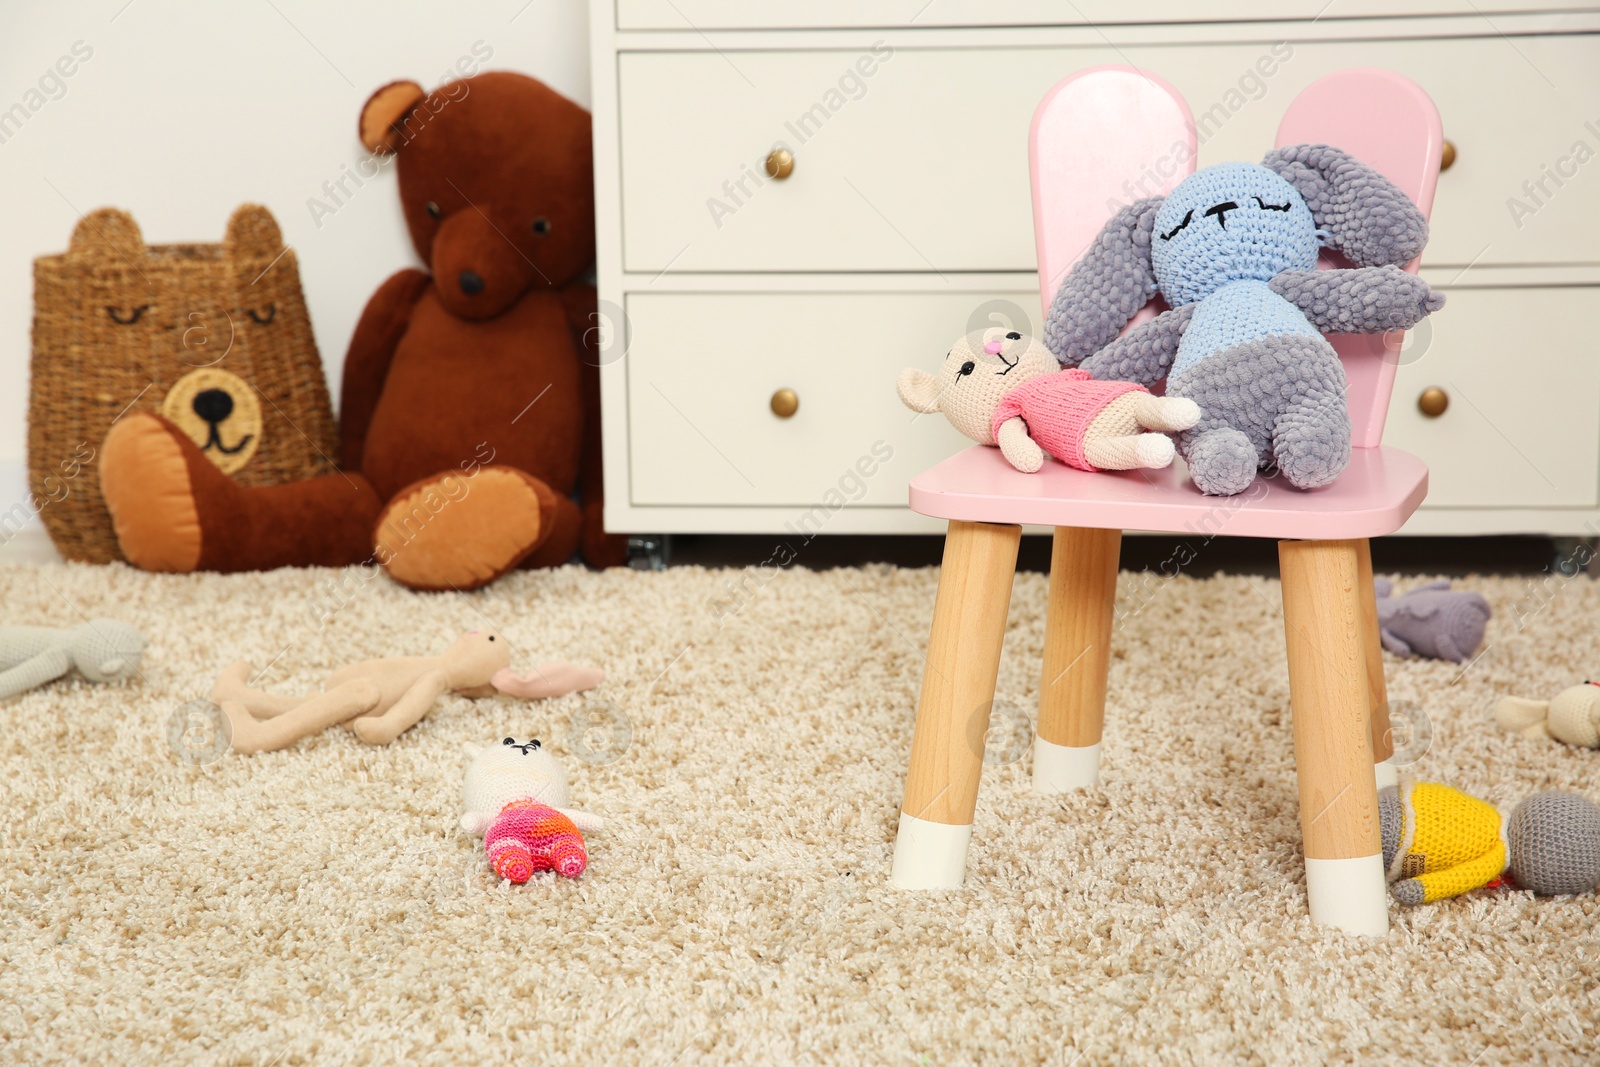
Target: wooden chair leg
(1377, 688)
(1077, 653)
(969, 626)
(1328, 693)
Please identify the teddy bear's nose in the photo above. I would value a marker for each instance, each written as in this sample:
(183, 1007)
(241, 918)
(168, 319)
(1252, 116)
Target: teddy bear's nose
(470, 283)
(993, 347)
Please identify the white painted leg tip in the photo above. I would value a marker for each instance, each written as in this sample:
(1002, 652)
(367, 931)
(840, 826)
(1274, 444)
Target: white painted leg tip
(1063, 768)
(1385, 772)
(929, 855)
(1349, 894)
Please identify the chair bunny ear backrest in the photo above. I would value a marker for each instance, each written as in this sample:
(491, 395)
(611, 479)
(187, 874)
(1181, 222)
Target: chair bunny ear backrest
(1389, 123)
(1106, 288)
(1365, 216)
(1102, 140)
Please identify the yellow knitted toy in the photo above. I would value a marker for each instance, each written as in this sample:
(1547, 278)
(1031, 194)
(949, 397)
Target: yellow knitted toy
(1439, 842)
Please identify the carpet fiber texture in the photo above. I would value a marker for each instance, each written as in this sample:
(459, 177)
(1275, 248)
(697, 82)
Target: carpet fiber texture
(320, 905)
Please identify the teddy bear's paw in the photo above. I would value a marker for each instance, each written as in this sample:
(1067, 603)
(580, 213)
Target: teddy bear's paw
(145, 478)
(449, 532)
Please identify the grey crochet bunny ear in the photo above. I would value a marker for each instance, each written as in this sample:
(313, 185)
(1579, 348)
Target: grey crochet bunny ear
(1106, 288)
(1364, 214)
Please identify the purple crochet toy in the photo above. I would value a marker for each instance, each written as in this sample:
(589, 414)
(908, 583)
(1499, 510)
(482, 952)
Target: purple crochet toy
(1431, 620)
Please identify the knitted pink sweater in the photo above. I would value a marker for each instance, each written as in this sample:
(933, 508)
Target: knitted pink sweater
(1058, 409)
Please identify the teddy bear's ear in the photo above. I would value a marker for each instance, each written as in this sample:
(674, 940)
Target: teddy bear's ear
(471, 749)
(383, 112)
(918, 390)
(108, 229)
(253, 234)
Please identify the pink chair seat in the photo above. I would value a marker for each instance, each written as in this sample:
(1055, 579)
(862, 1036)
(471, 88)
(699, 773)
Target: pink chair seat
(1374, 496)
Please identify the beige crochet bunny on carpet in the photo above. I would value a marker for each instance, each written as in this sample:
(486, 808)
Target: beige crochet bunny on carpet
(379, 699)
(1002, 388)
(1573, 717)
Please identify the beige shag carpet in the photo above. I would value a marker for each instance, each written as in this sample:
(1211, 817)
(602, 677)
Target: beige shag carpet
(319, 905)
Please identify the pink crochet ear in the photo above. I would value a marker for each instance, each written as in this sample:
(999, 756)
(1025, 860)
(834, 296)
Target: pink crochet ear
(550, 680)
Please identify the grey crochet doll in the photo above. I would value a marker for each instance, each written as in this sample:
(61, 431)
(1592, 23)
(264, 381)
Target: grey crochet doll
(1439, 842)
(1233, 250)
(1431, 620)
(102, 650)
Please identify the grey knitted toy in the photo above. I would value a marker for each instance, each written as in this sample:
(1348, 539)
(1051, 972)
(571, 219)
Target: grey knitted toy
(1233, 250)
(1554, 839)
(102, 650)
(1431, 620)
(1439, 842)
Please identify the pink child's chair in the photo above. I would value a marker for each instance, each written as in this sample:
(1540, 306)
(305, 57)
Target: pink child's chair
(1103, 137)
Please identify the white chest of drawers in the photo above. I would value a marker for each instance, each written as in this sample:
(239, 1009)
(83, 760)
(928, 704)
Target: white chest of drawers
(906, 221)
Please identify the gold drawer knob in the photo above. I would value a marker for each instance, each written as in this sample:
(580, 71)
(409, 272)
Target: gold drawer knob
(1431, 403)
(780, 164)
(785, 402)
(1447, 155)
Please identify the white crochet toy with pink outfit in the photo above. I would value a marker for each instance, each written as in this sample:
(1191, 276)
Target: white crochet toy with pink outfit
(1002, 388)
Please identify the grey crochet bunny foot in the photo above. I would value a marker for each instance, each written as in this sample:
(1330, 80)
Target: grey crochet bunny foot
(1222, 462)
(1312, 442)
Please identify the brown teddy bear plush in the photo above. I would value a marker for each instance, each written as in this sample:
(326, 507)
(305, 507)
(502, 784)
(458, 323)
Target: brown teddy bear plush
(469, 409)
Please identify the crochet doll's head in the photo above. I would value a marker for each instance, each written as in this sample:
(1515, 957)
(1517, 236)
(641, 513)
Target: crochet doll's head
(512, 770)
(474, 660)
(1228, 223)
(1554, 843)
(106, 650)
(976, 375)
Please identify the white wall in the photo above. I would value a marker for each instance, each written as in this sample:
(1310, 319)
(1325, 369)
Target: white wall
(187, 108)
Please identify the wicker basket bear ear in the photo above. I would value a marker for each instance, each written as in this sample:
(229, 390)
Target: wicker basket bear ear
(108, 231)
(215, 337)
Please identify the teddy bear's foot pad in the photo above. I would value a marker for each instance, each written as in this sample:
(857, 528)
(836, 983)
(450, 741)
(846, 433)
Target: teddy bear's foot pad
(144, 477)
(449, 532)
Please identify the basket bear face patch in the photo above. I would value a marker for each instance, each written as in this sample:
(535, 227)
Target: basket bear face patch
(219, 413)
(214, 336)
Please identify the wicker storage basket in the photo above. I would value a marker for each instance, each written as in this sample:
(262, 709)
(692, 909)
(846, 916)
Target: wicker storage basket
(216, 337)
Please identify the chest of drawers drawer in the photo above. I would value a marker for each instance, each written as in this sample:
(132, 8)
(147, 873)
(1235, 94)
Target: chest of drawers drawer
(914, 159)
(1521, 385)
(703, 368)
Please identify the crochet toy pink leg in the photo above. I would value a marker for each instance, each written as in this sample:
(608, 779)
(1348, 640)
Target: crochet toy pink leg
(527, 837)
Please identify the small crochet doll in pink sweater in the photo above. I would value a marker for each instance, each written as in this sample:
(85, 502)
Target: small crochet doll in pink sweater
(515, 794)
(1001, 388)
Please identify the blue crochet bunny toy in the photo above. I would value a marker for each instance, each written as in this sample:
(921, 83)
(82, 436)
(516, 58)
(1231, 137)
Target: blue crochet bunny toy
(1233, 250)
